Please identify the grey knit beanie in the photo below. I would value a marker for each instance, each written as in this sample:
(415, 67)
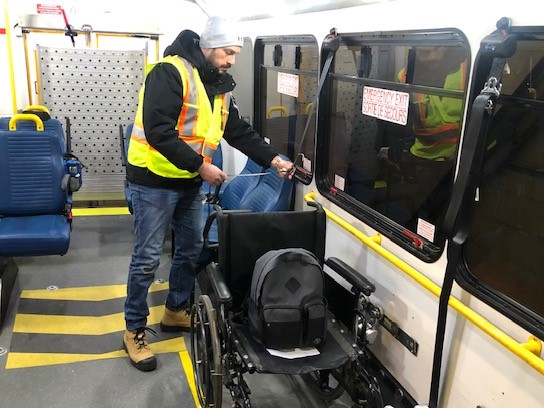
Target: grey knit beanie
(220, 33)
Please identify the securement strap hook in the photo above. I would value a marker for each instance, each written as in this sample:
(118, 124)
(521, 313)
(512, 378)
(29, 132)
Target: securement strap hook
(492, 86)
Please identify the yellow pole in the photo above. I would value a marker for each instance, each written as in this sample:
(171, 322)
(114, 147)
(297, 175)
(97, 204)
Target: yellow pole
(28, 83)
(10, 58)
(38, 79)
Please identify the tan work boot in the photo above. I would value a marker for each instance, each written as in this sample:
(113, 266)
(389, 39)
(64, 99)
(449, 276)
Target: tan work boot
(139, 353)
(175, 321)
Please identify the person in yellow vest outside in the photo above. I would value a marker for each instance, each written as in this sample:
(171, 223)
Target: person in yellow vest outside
(436, 128)
(436, 122)
(185, 109)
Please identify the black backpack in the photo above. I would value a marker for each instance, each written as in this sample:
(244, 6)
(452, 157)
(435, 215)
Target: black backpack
(286, 304)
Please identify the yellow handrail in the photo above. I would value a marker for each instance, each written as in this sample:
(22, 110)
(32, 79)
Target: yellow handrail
(529, 351)
(36, 108)
(25, 116)
(282, 109)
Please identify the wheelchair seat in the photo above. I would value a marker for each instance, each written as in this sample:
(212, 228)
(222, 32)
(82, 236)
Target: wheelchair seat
(222, 347)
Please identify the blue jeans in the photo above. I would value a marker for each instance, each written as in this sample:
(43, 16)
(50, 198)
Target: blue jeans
(155, 211)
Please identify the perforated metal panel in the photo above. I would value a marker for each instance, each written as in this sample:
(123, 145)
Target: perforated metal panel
(97, 90)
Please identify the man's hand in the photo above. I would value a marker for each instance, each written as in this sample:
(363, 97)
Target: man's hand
(285, 168)
(212, 174)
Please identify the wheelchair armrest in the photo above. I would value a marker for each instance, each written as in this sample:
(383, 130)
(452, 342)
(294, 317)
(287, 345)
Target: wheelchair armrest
(218, 284)
(351, 275)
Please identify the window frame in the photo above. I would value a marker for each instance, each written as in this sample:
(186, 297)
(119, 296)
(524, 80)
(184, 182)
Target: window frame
(368, 215)
(260, 76)
(517, 312)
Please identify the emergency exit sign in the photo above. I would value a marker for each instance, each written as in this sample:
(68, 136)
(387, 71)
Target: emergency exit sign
(48, 9)
(386, 104)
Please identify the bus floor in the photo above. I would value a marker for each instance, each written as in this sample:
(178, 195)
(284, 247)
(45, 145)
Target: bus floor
(63, 347)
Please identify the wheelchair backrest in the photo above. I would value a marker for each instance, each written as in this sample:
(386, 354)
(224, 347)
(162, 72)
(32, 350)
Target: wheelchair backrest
(245, 236)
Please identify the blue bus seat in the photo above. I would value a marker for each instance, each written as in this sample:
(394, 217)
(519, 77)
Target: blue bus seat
(238, 188)
(272, 193)
(261, 193)
(35, 211)
(49, 123)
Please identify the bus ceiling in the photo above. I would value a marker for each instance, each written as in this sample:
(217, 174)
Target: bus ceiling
(246, 11)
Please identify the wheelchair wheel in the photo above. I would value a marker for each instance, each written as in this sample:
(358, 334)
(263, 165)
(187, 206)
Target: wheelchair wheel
(206, 353)
(324, 385)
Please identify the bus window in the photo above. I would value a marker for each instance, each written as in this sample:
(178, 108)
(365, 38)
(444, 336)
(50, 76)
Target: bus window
(504, 250)
(395, 107)
(286, 82)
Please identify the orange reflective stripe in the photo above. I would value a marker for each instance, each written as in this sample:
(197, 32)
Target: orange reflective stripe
(195, 145)
(208, 151)
(437, 130)
(192, 139)
(225, 111)
(138, 140)
(188, 118)
(186, 99)
(422, 109)
(199, 123)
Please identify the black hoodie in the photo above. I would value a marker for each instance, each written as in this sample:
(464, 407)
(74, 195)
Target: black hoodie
(163, 99)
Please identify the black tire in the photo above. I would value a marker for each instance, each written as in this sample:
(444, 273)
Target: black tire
(206, 353)
(326, 391)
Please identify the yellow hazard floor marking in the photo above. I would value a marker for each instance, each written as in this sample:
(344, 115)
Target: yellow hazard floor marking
(89, 293)
(100, 211)
(188, 368)
(84, 325)
(26, 360)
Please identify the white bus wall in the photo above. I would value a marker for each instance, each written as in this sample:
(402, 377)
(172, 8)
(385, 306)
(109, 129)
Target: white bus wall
(477, 370)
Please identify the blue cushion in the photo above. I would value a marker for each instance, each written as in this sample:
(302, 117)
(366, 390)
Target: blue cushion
(237, 189)
(34, 235)
(272, 193)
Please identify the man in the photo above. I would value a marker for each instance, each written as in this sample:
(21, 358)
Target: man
(185, 109)
(436, 127)
(437, 118)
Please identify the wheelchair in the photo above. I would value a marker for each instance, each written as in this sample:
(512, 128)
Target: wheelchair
(222, 348)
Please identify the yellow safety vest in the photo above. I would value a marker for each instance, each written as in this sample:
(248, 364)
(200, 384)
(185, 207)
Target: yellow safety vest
(198, 125)
(436, 124)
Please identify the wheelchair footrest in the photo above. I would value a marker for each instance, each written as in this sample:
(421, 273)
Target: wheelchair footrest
(338, 349)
